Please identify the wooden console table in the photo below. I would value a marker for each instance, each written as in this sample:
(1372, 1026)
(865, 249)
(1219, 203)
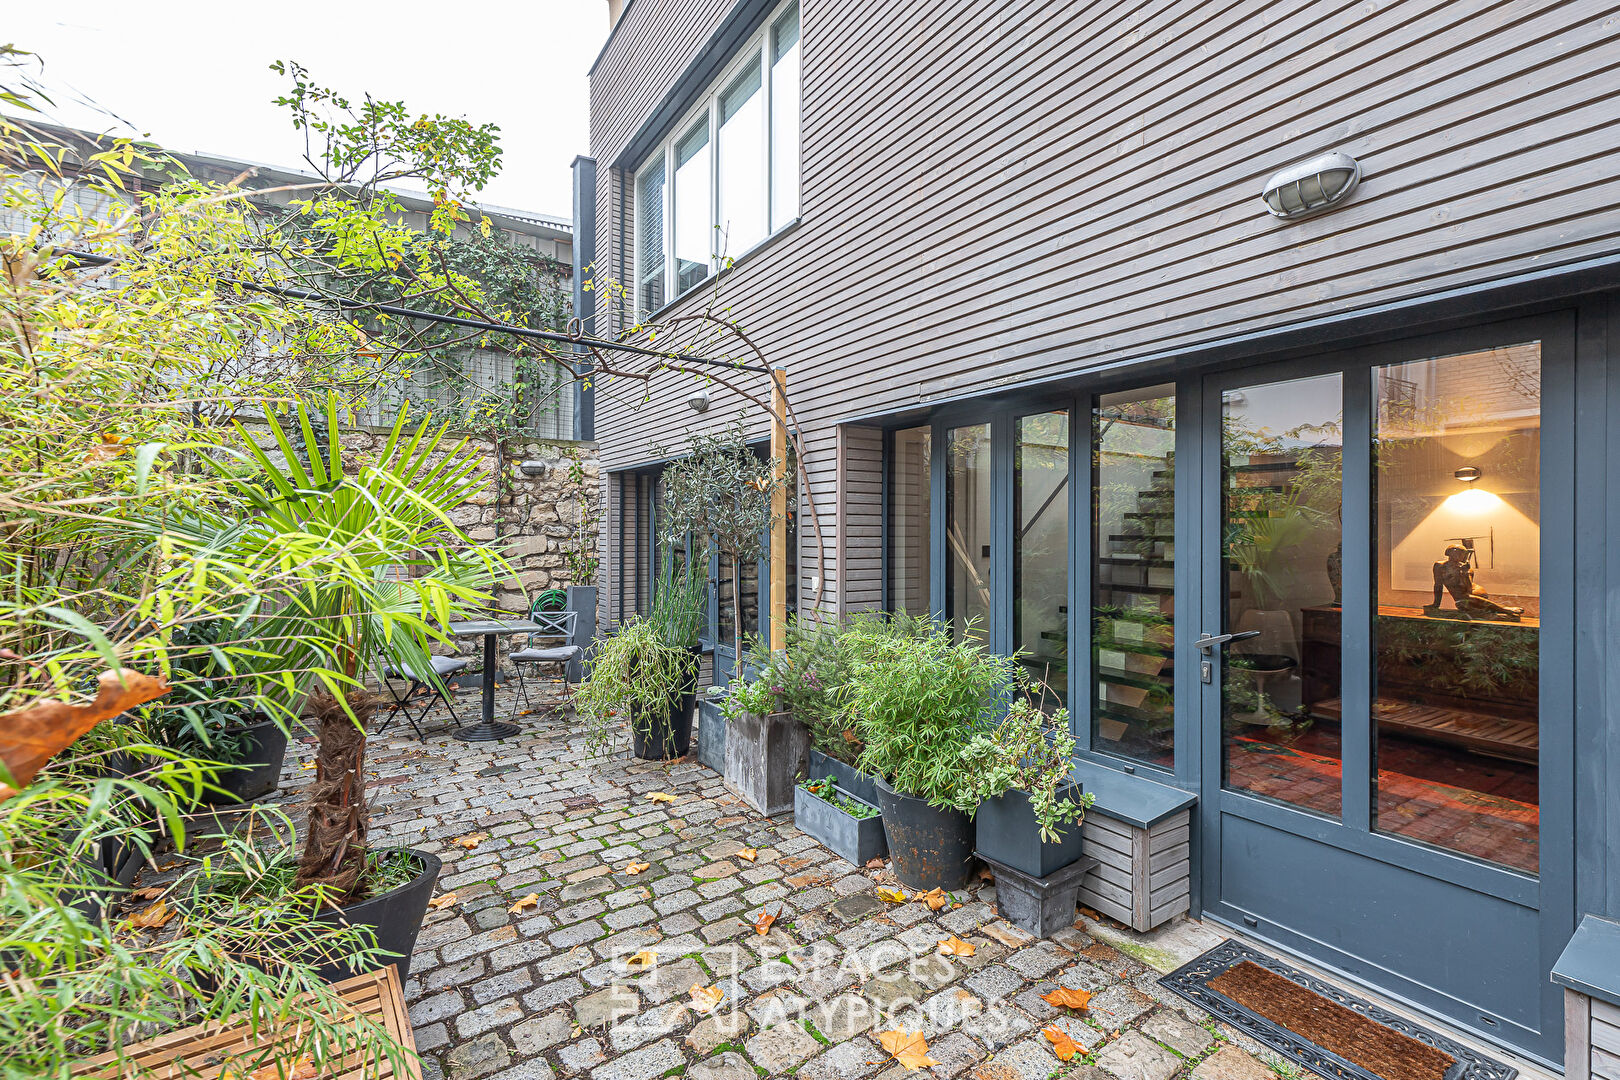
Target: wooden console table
(1413, 696)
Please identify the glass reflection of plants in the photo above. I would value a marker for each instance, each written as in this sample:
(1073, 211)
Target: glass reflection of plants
(1041, 550)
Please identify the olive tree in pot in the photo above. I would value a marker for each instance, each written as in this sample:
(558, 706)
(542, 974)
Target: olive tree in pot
(645, 675)
(369, 569)
(916, 700)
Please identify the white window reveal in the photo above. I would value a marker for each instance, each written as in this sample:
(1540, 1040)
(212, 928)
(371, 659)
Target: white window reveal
(732, 170)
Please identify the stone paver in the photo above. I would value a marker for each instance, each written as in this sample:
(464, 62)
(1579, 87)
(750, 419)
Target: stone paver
(551, 993)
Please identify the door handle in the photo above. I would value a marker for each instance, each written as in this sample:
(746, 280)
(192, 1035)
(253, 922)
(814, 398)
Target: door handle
(1207, 643)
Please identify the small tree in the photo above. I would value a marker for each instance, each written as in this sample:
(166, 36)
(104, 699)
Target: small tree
(723, 493)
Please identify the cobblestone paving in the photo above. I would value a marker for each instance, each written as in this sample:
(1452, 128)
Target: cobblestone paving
(557, 989)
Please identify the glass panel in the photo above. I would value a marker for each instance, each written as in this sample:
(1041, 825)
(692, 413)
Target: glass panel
(650, 236)
(967, 530)
(1457, 529)
(741, 146)
(750, 601)
(785, 118)
(1134, 575)
(1041, 554)
(910, 479)
(1281, 488)
(693, 232)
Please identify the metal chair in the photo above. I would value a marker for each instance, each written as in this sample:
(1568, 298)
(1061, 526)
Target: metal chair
(553, 624)
(443, 667)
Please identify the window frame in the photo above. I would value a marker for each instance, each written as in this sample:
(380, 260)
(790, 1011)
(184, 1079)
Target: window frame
(757, 50)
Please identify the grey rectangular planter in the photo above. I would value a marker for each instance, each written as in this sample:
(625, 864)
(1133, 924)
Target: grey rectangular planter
(1006, 831)
(856, 840)
(764, 757)
(711, 737)
(582, 602)
(845, 776)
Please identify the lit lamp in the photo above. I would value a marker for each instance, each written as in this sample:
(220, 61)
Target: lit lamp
(1471, 500)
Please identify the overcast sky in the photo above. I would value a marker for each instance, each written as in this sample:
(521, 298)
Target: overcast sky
(194, 75)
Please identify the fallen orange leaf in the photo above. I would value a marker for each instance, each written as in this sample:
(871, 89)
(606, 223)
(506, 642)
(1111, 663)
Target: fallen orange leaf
(748, 853)
(1063, 1046)
(660, 796)
(439, 903)
(934, 898)
(706, 999)
(642, 960)
(891, 896)
(955, 946)
(471, 840)
(532, 900)
(1064, 997)
(32, 735)
(636, 868)
(302, 1068)
(910, 1049)
(151, 892)
(154, 917)
(762, 925)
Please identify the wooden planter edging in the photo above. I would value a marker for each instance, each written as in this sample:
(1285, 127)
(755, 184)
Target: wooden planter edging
(205, 1051)
(1144, 874)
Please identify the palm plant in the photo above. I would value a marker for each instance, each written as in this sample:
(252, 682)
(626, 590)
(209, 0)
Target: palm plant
(368, 568)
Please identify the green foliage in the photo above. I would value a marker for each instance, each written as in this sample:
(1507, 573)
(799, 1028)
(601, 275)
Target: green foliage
(635, 678)
(827, 791)
(1026, 751)
(917, 700)
(760, 695)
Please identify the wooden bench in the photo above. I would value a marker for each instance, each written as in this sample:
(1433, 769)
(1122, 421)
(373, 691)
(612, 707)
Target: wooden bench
(214, 1051)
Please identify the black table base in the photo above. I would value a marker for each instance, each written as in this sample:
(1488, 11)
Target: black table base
(486, 732)
(487, 729)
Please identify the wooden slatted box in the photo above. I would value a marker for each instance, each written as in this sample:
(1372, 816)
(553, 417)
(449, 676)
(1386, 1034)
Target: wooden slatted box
(1144, 875)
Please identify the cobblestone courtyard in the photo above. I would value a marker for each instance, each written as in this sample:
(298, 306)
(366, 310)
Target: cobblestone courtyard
(593, 977)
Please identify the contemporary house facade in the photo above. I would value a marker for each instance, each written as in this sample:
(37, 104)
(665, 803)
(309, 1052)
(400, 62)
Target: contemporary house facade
(1249, 369)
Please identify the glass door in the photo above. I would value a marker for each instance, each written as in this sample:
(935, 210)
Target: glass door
(1376, 711)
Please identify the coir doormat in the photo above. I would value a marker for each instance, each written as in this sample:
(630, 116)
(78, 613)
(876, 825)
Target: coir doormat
(1319, 1026)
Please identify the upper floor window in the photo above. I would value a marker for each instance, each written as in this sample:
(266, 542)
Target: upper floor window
(732, 170)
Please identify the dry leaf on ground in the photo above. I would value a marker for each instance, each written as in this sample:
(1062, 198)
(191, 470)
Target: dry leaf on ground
(1063, 1046)
(1063, 997)
(154, 917)
(439, 903)
(642, 960)
(908, 1048)
(532, 900)
(955, 946)
(934, 898)
(762, 925)
(706, 999)
(151, 892)
(660, 797)
(636, 868)
(876, 864)
(748, 853)
(892, 896)
(471, 840)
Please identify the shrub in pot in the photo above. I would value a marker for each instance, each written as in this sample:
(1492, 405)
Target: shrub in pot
(916, 700)
(766, 747)
(1015, 778)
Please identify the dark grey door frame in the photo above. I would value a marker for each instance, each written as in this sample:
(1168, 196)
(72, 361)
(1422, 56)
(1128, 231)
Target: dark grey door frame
(1341, 845)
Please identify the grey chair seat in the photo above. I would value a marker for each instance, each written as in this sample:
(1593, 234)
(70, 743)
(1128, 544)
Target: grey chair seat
(442, 666)
(556, 655)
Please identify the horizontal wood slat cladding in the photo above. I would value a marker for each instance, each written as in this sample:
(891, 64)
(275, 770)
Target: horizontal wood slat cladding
(1143, 875)
(860, 519)
(1001, 191)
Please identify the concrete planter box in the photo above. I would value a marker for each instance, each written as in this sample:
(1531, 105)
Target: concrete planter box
(582, 602)
(845, 776)
(855, 840)
(711, 736)
(764, 757)
(1006, 831)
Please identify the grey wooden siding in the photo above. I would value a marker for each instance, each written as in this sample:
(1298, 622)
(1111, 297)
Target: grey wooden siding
(859, 584)
(1003, 191)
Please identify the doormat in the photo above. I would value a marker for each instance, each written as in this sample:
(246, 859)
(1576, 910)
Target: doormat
(1315, 1024)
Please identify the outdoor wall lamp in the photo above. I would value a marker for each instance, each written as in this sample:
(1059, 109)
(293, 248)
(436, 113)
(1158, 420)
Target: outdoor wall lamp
(1468, 474)
(534, 468)
(698, 400)
(1322, 182)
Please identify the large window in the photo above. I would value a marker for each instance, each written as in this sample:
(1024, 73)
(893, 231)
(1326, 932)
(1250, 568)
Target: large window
(1041, 553)
(732, 165)
(910, 546)
(967, 531)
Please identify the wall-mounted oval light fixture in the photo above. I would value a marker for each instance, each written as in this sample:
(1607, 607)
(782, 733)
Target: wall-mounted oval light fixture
(1468, 474)
(1322, 182)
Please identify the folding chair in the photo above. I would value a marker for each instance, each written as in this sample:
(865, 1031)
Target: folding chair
(557, 624)
(443, 667)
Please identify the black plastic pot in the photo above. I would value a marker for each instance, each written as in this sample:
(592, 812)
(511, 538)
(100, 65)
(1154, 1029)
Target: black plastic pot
(665, 736)
(396, 916)
(258, 770)
(1007, 833)
(930, 848)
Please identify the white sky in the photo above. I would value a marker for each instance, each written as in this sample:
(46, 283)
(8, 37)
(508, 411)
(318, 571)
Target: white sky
(194, 75)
